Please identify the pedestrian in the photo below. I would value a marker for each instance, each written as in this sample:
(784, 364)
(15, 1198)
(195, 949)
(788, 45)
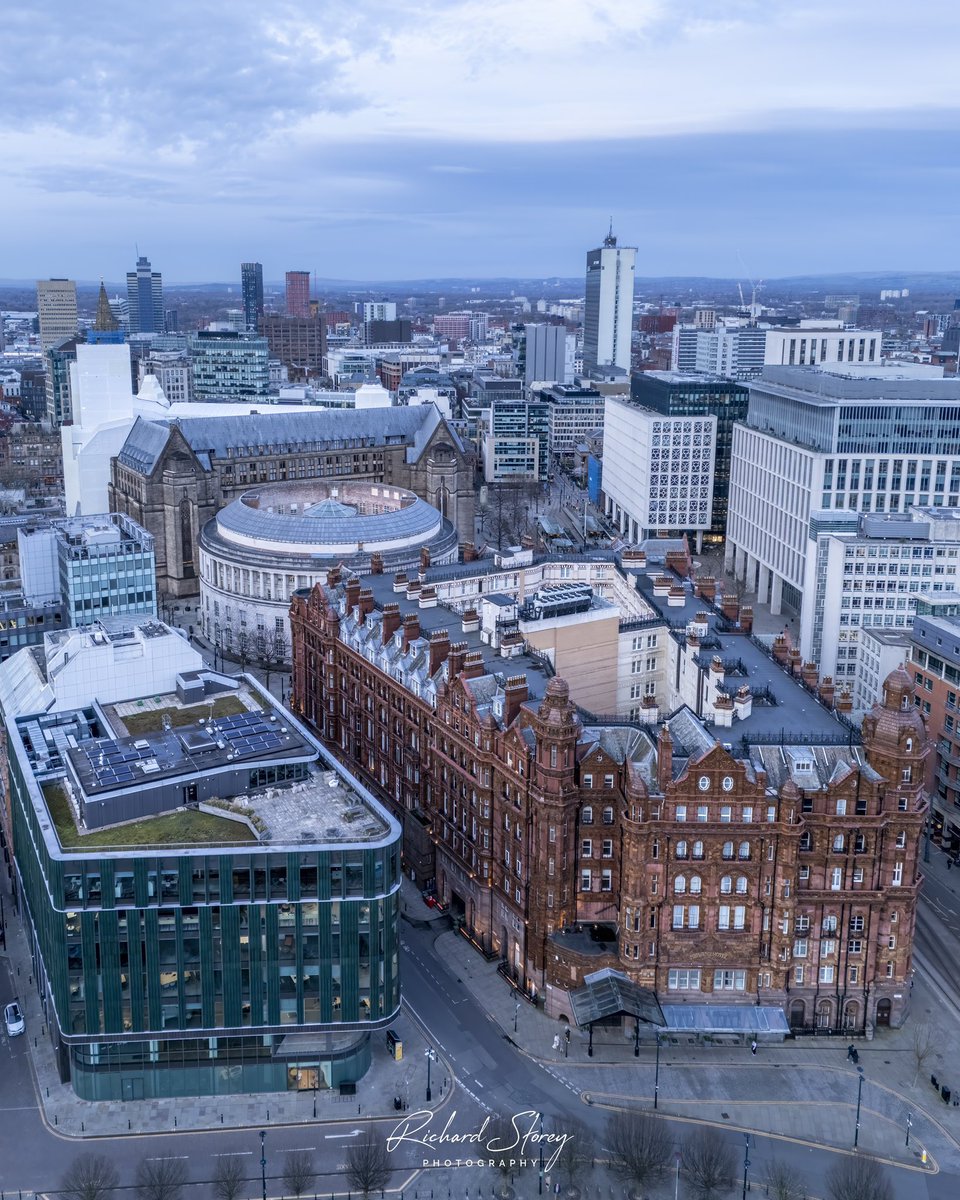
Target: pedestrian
(850, 1052)
(753, 1047)
(556, 1041)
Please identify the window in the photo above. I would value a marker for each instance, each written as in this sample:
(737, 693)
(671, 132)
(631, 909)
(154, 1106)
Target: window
(693, 916)
(586, 816)
(855, 946)
(836, 879)
(729, 981)
(682, 980)
(889, 970)
(723, 918)
(858, 874)
(744, 851)
(804, 872)
(828, 947)
(841, 808)
(586, 881)
(607, 850)
(682, 851)
(680, 884)
(586, 848)
(853, 974)
(587, 782)
(748, 812)
(608, 781)
(698, 849)
(678, 916)
(606, 880)
(901, 839)
(681, 812)
(897, 874)
(826, 974)
(856, 924)
(798, 975)
(806, 840)
(728, 850)
(892, 942)
(800, 948)
(839, 841)
(741, 885)
(703, 813)
(830, 924)
(696, 885)
(608, 813)
(726, 885)
(725, 814)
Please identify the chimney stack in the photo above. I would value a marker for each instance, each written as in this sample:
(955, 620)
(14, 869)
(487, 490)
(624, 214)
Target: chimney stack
(411, 630)
(458, 652)
(515, 692)
(352, 592)
(473, 666)
(664, 760)
(376, 563)
(391, 621)
(439, 649)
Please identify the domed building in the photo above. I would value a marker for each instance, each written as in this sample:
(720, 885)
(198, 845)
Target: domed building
(272, 541)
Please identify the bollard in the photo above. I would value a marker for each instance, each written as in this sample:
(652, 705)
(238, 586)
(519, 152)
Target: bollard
(56, 1119)
(221, 1118)
(82, 1129)
(48, 1091)
(129, 1126)
(174, 1122)
(923, 1157)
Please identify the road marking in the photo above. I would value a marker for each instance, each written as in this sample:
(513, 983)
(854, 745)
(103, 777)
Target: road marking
(478, 1083)
(295, 1149)
(330, 1137)
(166, 1157)
(232, 1153)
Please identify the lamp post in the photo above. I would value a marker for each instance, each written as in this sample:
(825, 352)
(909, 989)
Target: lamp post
(856, 1134)
(516, 1016)
(430, 1055)
(909, 1127)
(263, 1162)
(746, 1162)
(540, 1184)
(676, 1186)
(656, 1076)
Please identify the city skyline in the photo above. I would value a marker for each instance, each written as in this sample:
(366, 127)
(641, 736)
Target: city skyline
(772, 142)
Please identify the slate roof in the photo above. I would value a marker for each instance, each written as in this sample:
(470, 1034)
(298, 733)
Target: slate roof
(257, 432)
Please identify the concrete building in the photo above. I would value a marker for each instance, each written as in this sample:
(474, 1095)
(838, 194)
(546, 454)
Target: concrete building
(299, 342)
(608, 308)
(228, 366)
(516, 445)
(379, 310)
(454, 326)
(739, 348)
(56, 311)
(814, 342)
(251, 287)
(870, 440)
(234, 820)
(173, 372)
(879, 651)
(270, 541)
(533, 823)
(59, 399)
(935, 669)
(576, 410)
(658, 471)
(544, 354)
(145, 299)
(679, 395)
(298, 294)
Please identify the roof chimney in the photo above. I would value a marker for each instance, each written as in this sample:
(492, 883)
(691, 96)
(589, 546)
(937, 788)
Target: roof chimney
(411, 630)
(515, 692)
(391, 621)
(439, 649)
(352, 592)
(366, 603)
(458, 652)
(473, 666)
(664, 760)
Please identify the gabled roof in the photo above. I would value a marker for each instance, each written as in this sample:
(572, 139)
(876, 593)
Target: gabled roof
(609, 993)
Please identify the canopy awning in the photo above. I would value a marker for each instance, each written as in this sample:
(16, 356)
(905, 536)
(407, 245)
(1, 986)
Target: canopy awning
(610, 993)
(724, 1018)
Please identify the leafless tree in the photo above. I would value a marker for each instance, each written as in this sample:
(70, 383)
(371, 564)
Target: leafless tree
(89, 1177)
(579, 1152)
(242, 643)
(923, 1045)
(271, 651)
(297, 1172)
(783, 1182)
(368, 1162)
(709, 1162)
(858, 1179)
(639, 1146)
(161, 1178)
(228, 1179)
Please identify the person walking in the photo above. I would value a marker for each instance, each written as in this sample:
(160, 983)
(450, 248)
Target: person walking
(753, 1047)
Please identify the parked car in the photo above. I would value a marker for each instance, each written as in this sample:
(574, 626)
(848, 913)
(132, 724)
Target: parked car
(13, 1019)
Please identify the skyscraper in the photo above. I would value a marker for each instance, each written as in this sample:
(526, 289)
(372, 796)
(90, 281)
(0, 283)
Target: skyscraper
(56, 310)
(608, 312)
(251, 284)
(544, 354)
(298, 293)
(145, 297)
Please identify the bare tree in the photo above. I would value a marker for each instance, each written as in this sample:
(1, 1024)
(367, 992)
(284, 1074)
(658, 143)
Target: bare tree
(228, 1179)
(297, 1172)
(243, 642)
(783, 1182)
(89, 1177)
(578, 1155)
(368, 1163)
(922, 1046)
(858, 1179)
(161, 1178)
(709, 1162)
(639, 1146)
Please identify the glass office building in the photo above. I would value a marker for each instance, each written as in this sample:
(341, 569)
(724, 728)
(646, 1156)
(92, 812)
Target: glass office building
(213, 907)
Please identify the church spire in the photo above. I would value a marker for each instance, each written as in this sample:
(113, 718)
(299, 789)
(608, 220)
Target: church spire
(105, 321)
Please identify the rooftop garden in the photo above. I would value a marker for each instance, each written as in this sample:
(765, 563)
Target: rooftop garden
(151, 719)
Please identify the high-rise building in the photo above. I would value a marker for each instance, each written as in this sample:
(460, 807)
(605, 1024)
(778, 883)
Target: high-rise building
(379, 310)
(57, 361)
(228, 366)
(56, 311)
(299, 342)
(608, 311)
(298, 294)
(145, 298)
(251, 284)
(545, 348)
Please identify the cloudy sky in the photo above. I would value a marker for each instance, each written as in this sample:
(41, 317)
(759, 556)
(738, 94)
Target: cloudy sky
(412, 138)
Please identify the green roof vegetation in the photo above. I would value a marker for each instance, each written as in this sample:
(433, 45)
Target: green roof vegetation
(151, 720)
(186, 827)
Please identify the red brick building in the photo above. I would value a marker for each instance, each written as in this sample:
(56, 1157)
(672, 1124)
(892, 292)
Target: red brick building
(788, 877)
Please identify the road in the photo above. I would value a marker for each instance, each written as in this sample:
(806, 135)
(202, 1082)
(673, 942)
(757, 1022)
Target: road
(492, 1075)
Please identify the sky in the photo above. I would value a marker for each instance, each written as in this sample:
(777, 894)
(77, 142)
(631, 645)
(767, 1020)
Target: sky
(403, 139)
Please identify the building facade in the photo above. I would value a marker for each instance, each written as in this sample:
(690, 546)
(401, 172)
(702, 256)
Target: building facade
(298, 294)
(251, 287)
(57, 378)
(544, 353)
(56, 311)
(172, 479)
(145, 299)
(517, 444)
(608, 308)
(226, 365)
(299, 342)
(780, 878)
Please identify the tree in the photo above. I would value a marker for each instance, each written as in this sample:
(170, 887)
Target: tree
(229, 1178)
(783, 1182)
(297, 1172)
(89, 1177)
(577, 1157)
(639, 1146)
(709, 1161)
(368, 1163)
(243, 643)
(161, 1178)
(858, 1179)
(923, 1046)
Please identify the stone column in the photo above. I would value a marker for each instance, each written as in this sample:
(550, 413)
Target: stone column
(776, 593)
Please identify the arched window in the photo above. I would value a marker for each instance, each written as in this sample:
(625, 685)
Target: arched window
(726, 885)
(860, 843)
(695, 884)
(741, 885)
(680, 883)
(681, 849)
(839, 842)
(806, 840)
(744, 849)
(728, 850)
(698, 849)
(586, 817)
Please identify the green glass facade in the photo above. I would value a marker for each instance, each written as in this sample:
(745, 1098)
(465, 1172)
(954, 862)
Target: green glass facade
(184, 971)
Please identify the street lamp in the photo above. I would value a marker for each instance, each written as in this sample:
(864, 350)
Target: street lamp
(516, 1017)
(909, 1126)
(656, 1077)
(263, 1162)
(746, 1162)
(431, 1057)
(856, 1135)
(676, 1186)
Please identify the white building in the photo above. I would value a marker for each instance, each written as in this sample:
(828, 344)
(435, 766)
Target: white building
(608, 308)
(878, 652)
(867, 440)
(657, 470)
(683, 351)
(379, 310)
(814, 342)
(56, 311)
(740, 349)
(733, 347)
(173, 372)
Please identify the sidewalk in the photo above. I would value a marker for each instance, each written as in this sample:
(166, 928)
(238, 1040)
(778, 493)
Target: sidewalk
(70, 1116)
(803, 1089)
